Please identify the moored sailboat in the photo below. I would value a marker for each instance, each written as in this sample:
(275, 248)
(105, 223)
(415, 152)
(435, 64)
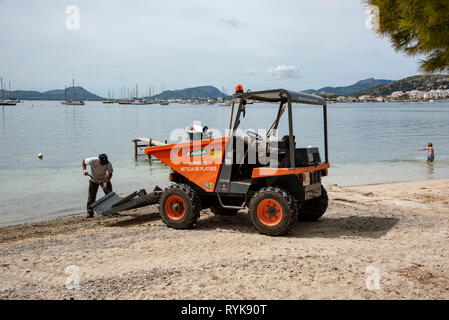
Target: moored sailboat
(3, 101)
(73, 101)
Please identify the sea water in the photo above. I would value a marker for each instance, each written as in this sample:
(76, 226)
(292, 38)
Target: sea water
(368, 143)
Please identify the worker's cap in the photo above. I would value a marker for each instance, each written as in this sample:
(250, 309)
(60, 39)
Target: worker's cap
(103, 158)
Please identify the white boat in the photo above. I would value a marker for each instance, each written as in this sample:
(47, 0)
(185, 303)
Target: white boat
(110, 99)
(73, 101)
(3, 101)
(7, 103)
(225, 104)
(138, 102)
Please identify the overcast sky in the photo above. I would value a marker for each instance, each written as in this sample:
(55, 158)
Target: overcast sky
(183, 43)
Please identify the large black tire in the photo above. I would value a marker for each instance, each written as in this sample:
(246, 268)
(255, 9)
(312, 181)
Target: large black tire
(220, 211)
(313, 209)
(273, 211)
(180, 206)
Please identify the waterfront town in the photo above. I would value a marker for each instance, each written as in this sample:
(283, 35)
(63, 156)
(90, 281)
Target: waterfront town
(413, 95)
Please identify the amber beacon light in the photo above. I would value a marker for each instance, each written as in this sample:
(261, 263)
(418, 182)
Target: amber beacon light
(239, 89)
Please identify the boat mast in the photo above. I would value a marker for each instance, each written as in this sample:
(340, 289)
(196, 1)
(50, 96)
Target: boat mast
(73, 87)
(1, 80)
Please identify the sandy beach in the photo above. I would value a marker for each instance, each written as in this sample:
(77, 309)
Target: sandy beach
(398, 229)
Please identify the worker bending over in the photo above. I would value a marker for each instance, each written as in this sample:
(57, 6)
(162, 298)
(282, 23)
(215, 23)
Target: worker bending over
(101, 174)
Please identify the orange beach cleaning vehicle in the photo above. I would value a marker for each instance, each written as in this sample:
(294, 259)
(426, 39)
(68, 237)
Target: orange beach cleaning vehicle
(278, 182)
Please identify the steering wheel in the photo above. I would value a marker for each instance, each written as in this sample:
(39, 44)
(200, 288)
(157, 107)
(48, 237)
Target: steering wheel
(254, 135)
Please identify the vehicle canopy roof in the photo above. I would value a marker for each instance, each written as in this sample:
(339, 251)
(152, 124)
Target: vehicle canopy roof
(281, 95)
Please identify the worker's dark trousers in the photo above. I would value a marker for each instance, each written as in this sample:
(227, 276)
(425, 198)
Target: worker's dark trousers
(93, 189)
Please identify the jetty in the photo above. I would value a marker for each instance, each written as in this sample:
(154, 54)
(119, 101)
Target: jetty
(145, 143)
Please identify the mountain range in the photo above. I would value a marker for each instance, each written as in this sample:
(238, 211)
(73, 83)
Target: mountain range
(351, 89)
(422, 83)
(189, 93)
(371, 86)
(58, 94)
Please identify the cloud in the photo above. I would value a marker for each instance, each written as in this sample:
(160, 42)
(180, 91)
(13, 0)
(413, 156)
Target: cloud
(227, 41)
(285, 72)
(233, 23)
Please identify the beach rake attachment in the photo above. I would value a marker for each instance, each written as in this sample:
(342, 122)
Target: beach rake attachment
(112, 203)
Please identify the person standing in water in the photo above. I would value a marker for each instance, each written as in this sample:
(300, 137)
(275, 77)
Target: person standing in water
(430, 152)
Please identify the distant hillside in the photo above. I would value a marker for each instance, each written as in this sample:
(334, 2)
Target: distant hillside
(80, 93)
(191, 93)
(422, 83)
(348, 90)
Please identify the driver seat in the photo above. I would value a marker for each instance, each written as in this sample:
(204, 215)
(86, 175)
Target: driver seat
(283, 151)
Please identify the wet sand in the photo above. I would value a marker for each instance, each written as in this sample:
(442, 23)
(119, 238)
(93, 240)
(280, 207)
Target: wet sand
(397, 229)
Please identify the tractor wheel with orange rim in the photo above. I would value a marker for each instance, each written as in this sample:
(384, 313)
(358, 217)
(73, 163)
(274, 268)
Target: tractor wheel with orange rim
(313, 209)
(273, 211)
(179, 206)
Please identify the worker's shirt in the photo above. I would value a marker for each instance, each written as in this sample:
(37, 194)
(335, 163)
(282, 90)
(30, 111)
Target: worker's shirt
(99, 171)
